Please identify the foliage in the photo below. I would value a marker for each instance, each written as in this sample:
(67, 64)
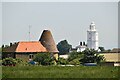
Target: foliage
(44, 58)
(0, 49)
(74, 55)
(51, 72)
(62, 61)
(20, 62)
(102, 48)
(108, 50)
(13, 62)
(91, 56)
(63, 47)
(75, 62)
(9, 62)
(74, 58)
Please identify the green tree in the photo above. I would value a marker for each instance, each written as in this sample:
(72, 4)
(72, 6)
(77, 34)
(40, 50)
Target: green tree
(91, 56)
(74, 55)
(63, 47)
(44, 58)
(102, 48)
(108, 50)
(74, 58)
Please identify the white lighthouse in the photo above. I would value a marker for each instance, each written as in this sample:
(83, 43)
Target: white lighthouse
(92, 37)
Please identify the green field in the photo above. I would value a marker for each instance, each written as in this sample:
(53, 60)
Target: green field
(60, 72)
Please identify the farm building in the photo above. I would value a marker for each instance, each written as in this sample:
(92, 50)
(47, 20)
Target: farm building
(27, 49)
(112, 59)
(24, 50)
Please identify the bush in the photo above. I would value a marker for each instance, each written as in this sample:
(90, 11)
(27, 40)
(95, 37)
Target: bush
(9, 62)
(62, 61)
(75, 62)
(74, 55)
(19, 61)
(91, 56)
(13, 62)
(44, 59)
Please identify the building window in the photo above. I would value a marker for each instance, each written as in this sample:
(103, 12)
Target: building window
(31, 56)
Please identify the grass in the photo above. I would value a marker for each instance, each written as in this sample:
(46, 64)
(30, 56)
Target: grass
(60, 72)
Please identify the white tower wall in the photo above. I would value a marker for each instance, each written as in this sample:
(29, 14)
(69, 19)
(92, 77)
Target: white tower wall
(92, 37)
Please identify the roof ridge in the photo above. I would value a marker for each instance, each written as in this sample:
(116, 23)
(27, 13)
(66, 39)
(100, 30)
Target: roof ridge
(27, 41)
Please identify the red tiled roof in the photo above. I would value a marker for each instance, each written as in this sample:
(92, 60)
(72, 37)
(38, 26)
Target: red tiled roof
(26, 46)
(30, 46)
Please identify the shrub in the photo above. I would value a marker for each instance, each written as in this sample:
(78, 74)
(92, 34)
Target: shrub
(44, 59)
(13, 62)
(19, 60)
(74, 55)
(9, 62)
(62, 61)
(75, 62)
(91, 56)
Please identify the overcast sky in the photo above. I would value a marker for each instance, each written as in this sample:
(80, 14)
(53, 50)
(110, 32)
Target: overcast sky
(66, 20)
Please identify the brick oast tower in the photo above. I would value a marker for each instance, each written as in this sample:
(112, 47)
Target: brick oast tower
(48, 42)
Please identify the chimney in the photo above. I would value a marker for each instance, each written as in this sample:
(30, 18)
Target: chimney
(3, 46)
(80, 43)
(10, 44)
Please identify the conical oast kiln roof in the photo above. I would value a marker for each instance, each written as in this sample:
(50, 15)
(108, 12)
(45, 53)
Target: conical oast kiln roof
(48, 42)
